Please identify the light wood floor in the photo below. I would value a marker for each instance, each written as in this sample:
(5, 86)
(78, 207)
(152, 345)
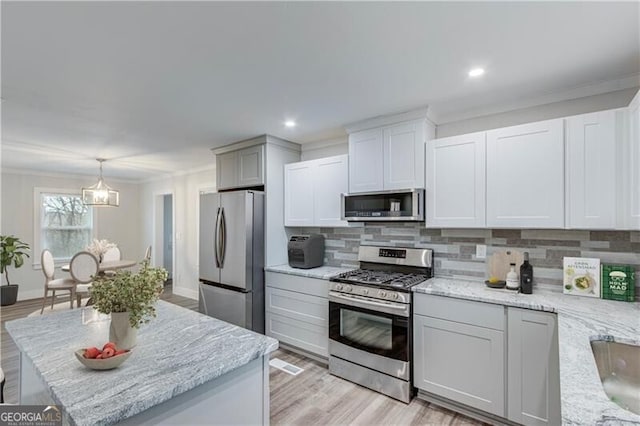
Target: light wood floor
(313, 397)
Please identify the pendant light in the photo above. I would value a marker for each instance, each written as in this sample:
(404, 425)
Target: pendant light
(100, 194)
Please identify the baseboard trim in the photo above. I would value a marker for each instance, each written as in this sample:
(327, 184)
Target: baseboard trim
(319, 358)
(185, 292)
(463, 409)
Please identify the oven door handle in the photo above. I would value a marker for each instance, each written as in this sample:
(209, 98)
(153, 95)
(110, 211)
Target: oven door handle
(365, 303)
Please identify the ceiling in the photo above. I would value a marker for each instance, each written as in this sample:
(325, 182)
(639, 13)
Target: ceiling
(152, 86)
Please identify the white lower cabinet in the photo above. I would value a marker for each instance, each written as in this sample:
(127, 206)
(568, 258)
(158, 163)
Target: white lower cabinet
(500, 361)
(532, 370)
(457, 360)
(297, 312)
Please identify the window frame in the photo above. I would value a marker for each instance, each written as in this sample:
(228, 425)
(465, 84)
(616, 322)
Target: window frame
(37, 222)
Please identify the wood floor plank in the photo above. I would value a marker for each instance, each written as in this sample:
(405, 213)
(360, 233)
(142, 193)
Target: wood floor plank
(314, 397)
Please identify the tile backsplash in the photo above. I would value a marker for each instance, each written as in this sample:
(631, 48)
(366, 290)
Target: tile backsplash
(454, 249)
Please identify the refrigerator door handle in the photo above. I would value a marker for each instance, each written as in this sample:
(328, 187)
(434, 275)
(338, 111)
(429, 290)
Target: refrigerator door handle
(216, 238)
(223, 231)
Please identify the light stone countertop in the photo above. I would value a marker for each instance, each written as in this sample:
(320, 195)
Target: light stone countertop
(580, 320)
(322, 272)
(177, 351)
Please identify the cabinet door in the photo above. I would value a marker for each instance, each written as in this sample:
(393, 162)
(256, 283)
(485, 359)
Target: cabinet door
(250, 166)
(331, 179)
(403, 151)
(298, 319)
(525, 176)
(455, 181)
(365, 161)
(298, 194)
(460, 362)
(227, 170)
(591, 171)
(632, 172)
(533, 368)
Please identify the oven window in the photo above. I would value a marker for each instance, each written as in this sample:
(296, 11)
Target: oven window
(367, 330)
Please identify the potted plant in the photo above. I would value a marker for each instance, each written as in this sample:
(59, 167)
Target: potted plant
(129, 297)
(13, 253)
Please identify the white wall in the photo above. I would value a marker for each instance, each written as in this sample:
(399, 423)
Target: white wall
(117, 224)
(323, 149)
(185, 189)
(583, 105)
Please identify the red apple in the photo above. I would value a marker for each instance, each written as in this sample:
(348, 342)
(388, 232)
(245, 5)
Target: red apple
(91, 352)
(99, 356)
(110, 345)
(108, 353)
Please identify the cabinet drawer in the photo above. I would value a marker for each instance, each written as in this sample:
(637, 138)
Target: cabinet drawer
(463, 311)
(298, 306)
(310, 337)
(311, 286)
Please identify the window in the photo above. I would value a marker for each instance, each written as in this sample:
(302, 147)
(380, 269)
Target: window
(64, 224)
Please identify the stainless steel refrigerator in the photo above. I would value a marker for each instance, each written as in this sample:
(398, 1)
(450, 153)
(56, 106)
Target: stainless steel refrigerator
(232, 258)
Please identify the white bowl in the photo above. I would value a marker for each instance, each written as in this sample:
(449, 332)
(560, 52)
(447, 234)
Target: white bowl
(102, 364)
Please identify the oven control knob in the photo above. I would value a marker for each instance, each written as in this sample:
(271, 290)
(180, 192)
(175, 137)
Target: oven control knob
(348, 288)
(365, 291)
(394, 295)
(382, 293)
(338, 287)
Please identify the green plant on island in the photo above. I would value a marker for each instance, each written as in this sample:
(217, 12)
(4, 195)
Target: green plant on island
(132, 292)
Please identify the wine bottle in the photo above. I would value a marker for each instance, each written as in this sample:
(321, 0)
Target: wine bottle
(526, 275)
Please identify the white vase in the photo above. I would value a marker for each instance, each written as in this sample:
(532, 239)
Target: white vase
(120, 331)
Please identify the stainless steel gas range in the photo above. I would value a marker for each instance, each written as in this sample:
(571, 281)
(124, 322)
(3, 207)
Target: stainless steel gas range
(370, 332)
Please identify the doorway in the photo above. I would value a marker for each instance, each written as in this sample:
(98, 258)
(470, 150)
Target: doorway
(163, 252)
(167, 236)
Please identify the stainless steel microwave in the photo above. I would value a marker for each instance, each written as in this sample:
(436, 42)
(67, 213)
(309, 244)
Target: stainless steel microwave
(397, 205)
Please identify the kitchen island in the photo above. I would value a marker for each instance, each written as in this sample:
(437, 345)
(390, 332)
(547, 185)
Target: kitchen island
(186, 368)
(580, 320)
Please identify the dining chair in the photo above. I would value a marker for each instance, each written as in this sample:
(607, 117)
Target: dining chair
(53, 284)
(83, 267)
(112, 254)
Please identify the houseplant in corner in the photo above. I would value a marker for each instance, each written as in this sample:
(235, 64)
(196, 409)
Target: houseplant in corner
(129, 298)
(13, 253)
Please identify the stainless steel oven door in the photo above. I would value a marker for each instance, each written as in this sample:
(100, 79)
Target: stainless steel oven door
(374, 326)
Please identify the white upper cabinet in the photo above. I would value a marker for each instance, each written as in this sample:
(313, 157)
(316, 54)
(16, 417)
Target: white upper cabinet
(525, 176)
(389, 157)
(298, 194)
(241, 168)
(331, 179)
(403, 156)
(250, 164)
(631, 168)
(365, 161)
(455, 181)
(591, 170)
(312, 191)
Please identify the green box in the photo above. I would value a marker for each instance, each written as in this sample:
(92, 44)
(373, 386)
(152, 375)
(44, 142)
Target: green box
(618, 282)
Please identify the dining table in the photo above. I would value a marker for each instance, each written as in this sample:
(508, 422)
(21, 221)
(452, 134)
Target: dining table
(110, 265)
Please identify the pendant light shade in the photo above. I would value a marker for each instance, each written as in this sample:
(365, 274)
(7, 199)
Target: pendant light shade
(100, 194)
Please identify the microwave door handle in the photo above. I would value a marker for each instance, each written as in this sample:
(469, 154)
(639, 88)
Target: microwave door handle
(216, 239)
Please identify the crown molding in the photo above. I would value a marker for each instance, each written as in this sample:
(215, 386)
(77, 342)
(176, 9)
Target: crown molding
(258, 140)
(384, 120)
(581, 91)
(60, 175)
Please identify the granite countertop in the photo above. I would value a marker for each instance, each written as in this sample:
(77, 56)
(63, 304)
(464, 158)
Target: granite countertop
(580, 320)
(177, 351)
(322, 272)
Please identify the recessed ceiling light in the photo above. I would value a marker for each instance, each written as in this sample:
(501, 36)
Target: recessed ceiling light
(290, 123)
(476, 72)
